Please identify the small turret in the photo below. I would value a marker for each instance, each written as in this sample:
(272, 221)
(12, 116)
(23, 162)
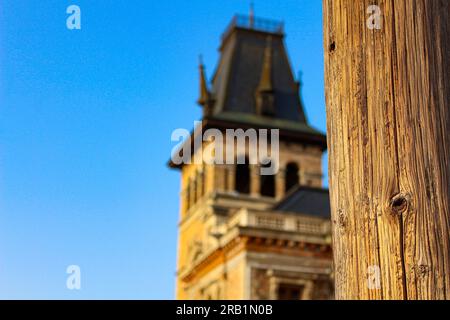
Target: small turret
(205, 100)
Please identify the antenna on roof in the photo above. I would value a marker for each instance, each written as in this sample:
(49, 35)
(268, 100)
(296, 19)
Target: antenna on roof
(299, 77)
(252, 15)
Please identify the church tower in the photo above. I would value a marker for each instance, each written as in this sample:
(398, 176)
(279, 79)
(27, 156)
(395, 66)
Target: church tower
(243, 235)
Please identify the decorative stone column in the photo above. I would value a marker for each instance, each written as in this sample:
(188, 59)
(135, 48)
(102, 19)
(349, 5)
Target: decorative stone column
(231, 173)
(220, 178)
(308, 290)
(208, 171)
(302, 176)
(204, 182)
(255, 180)
(280, 184)
(199, 185)
(192, 193)
(184, 200)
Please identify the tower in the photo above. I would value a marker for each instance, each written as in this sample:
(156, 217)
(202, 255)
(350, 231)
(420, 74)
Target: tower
(244, 235)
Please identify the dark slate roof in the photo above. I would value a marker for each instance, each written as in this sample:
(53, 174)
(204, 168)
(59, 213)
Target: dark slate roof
(257, 121)
(238, 74)
(306, 200)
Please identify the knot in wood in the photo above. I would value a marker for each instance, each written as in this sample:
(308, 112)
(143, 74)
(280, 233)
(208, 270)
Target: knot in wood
(423, 270)
(342, 221)
(399, 203)
(332, 47)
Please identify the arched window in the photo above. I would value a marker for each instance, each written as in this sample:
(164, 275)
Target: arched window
(268, 184)
(242, 179)
(292, 177)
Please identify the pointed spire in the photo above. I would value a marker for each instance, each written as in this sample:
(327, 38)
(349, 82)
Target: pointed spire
(204, 93)
(205, 99)
(265, 83)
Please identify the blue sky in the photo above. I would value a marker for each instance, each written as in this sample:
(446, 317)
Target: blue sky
(86, 118)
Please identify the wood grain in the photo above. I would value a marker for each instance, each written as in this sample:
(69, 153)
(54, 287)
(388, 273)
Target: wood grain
(388, 100)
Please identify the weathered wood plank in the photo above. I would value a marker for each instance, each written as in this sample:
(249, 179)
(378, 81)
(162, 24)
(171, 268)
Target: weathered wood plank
(388, 101)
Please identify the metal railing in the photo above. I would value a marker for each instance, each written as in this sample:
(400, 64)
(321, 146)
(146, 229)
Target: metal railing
(254, 23)
(283, 222)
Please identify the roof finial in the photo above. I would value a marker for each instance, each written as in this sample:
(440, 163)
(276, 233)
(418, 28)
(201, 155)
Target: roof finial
(299, 84)
(204, 93)
(205, 96)
(252, 15)
(299, 79)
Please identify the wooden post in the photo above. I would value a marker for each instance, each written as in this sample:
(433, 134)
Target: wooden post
(388, 109)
